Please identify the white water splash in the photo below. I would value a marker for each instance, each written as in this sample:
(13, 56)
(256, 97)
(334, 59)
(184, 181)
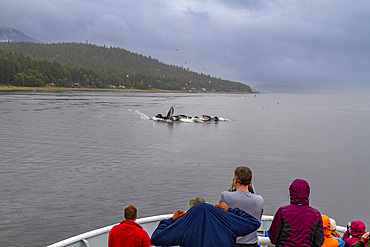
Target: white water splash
(142, 115)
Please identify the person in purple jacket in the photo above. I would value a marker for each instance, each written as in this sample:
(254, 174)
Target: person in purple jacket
(297, 224)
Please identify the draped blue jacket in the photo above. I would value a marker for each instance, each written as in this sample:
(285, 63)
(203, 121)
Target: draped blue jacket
(205, 225)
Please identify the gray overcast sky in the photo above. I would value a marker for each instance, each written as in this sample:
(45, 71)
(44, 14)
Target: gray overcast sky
(312, 43)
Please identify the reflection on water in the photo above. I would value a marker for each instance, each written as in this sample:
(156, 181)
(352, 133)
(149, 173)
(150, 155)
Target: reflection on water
(70, 161)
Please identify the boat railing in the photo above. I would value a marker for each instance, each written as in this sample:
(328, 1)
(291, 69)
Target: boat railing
(99, 237)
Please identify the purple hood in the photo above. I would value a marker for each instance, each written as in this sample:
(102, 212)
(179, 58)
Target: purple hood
(299, 192)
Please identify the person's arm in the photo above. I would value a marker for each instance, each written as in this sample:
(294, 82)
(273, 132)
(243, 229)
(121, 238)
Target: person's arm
(222, 206)
(365, 237)
(110, 237)
(253, 221)
(346, 235)
(318, 238)
(358, 244)
(110, 240)
(274, 228)
(178, 214)
(164, 223)
(341, 242)
(241, 227)
(146, 241)
(363, 241)
(159, 236)
(222, 199)
(237, 212)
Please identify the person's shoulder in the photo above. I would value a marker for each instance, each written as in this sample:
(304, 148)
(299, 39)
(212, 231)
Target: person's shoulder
(113, 229)
(138, 226)
(116, 228)
(314, 210)
(257, 196)
(284, 208)
(117, 225)
(142, 231)
(130, 224)
(227, 194)
(138, 229)
(258, 199)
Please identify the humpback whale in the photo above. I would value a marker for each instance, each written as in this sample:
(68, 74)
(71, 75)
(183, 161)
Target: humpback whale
(170, 117)
(209, 118)
(167, 118)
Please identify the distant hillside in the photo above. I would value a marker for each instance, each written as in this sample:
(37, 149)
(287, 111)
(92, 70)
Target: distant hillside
(96, 66)
(14, 35)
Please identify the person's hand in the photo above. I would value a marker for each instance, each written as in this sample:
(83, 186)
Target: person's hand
(178, 214)
(222, 206)
(365, 237)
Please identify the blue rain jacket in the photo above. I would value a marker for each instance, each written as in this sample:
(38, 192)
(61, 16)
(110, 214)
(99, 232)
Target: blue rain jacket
(205, 225)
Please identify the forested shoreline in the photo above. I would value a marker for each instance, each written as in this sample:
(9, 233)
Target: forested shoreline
(90, 66)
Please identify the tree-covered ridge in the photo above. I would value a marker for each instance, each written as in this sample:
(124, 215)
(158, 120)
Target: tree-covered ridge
(94, 66)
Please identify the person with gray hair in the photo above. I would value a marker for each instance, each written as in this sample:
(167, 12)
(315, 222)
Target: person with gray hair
(245, 200)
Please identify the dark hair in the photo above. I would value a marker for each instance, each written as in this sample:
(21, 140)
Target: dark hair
(243, 175)
(130, 212)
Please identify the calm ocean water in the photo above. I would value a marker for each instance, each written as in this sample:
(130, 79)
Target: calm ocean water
(70, 161)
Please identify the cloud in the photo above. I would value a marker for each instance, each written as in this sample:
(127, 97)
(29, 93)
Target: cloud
(107, 29)
(306, 43)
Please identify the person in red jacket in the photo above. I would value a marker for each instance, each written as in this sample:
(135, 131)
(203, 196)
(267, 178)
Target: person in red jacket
(128, 233)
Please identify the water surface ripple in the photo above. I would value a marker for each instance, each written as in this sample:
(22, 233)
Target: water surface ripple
(70, 161)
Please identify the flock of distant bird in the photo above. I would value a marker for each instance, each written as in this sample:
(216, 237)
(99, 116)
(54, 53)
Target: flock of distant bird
(170, 117)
